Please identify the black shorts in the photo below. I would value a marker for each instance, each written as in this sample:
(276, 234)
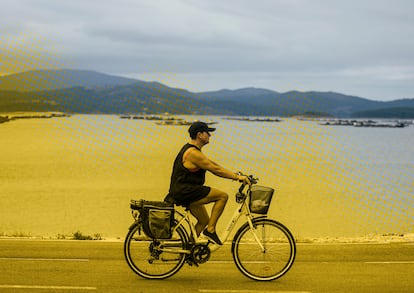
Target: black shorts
(190, 194)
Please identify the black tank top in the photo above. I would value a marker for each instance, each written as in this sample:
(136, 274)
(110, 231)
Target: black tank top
(182, 178)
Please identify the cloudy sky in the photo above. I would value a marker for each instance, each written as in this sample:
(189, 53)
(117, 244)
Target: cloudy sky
(357, 47)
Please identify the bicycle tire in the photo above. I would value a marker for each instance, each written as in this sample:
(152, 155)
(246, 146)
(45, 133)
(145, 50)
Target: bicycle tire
(147, 261)
(274, 261)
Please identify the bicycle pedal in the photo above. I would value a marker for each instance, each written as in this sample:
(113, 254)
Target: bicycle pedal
(202, 240)
(191, 262)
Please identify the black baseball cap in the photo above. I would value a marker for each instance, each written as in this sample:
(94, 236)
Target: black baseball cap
(199, 126)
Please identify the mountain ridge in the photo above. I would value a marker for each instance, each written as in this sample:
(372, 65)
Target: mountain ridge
(51, 79)
(85, 91)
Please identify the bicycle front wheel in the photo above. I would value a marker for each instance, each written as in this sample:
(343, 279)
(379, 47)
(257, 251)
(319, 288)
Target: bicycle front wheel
(265, 252)
(155, 259)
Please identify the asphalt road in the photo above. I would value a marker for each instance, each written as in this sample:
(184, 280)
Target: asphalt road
(98, 266)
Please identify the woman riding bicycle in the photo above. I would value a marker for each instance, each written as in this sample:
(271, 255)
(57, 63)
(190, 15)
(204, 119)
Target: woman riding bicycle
(188, 177)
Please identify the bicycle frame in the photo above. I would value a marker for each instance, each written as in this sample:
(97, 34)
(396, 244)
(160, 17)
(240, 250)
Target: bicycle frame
(241, 209)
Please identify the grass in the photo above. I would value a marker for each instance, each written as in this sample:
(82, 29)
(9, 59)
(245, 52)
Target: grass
(75, 236)
(16, 235)
(79, 236)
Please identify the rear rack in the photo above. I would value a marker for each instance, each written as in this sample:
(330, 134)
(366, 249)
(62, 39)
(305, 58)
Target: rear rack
(137, 204)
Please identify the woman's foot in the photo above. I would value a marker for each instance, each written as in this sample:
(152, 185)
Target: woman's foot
(212, 236)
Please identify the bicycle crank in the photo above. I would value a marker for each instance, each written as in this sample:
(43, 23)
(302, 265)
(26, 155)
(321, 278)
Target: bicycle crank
(200, 253)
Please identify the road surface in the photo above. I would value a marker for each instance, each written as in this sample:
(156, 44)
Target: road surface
(99, 266)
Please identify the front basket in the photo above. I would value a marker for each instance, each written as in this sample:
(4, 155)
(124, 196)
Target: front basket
(260, 198)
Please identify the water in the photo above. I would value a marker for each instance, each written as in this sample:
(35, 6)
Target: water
(62, 175)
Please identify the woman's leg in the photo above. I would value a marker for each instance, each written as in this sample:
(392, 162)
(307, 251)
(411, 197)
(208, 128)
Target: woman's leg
(220, 199)
(200, 213)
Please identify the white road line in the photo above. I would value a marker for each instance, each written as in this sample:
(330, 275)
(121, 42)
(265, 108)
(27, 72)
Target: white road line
(44, 259)
(232, 262)
(247, 291)
(390, 262)
(324, 262)
(46, 287)
(221, 261)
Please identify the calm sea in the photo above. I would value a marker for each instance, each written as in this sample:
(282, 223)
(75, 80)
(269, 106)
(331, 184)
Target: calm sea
(62, 175)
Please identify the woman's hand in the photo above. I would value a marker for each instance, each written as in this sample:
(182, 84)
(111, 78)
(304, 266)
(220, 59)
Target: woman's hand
(244, 179)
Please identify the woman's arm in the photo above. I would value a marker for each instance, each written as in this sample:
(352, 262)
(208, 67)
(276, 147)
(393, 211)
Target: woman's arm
(201, 161)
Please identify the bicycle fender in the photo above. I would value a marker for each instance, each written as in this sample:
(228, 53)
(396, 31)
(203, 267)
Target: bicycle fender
(246, 224)
(259, 218)
(133, 225)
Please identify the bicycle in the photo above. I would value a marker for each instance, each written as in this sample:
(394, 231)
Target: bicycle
(263, 249)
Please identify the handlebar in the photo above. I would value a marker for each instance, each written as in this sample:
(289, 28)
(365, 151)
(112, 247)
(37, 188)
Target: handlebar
(241, 196)
(251, 178)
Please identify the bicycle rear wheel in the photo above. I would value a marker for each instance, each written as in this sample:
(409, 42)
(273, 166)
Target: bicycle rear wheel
(147, 257)
(267, 263)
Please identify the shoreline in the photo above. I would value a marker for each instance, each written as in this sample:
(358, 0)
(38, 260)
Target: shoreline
(370, 239)
(10, 116)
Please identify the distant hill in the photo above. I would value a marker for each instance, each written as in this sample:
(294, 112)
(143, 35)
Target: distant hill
(38, 80)
(135, 98)
(79, 91)
(401, 113)
(265, 102)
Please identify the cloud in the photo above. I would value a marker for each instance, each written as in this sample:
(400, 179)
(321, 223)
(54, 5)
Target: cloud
(357, 46)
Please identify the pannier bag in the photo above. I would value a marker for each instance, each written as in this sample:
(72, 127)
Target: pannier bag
(260, 198)
(157, 218)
